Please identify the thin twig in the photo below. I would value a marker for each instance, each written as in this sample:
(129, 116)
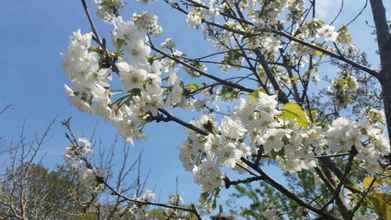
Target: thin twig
(91, 22)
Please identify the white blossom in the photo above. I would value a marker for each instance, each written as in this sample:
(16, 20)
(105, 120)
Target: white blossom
(229, 154)
(257, 113)
(132, 39)
(274, 139)
(147, 23)
(232, 129)
(89, 81)
(79, 60)
(168, 43)
(208, 175)
(131, 76)
(343, 134)
(108, 9)
(187, 156)
(75, 154)
(175, 92)
(148, 196)
(327, 32)
(194, 17)
(76, 100)
(128, 123)
(175, 200)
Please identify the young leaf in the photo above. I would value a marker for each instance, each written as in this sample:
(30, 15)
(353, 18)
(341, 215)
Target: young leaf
(192, 87)
(367, 182)
(293, 112)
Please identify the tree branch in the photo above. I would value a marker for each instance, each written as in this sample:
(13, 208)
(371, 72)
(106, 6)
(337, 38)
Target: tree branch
(280, 33)
(140, 202)
(286, 192)
(91, 22)
(201, 72)
(170, 117)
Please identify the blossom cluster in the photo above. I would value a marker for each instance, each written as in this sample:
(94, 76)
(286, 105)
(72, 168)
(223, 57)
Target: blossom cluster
(141, 94)
(257, 125)
(76, 157)
(343, 89)
(89, 82)
(108, 9)
(74, 154)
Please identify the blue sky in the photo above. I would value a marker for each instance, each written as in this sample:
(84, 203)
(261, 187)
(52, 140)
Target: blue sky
(33, 33)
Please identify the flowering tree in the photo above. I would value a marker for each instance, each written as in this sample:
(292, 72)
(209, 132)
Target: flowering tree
(267, 100)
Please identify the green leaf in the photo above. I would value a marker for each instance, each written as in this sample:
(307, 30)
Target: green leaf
(86, 216)
(120, 43)
(192, 87)
(228, 93)
(134, 92)
(293, 112)
(344, 35)
(382, 203)
(156, 214)
(367, 182)
(255, 94)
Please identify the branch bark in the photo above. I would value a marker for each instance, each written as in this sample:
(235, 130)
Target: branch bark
(286, 192)
(384, 45)
(382, 32)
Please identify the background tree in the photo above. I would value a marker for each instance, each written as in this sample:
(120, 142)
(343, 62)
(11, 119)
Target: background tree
(44, 194)
(29, 190)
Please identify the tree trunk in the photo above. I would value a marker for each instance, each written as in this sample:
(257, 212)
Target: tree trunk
(386, 86)
(384, 44)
